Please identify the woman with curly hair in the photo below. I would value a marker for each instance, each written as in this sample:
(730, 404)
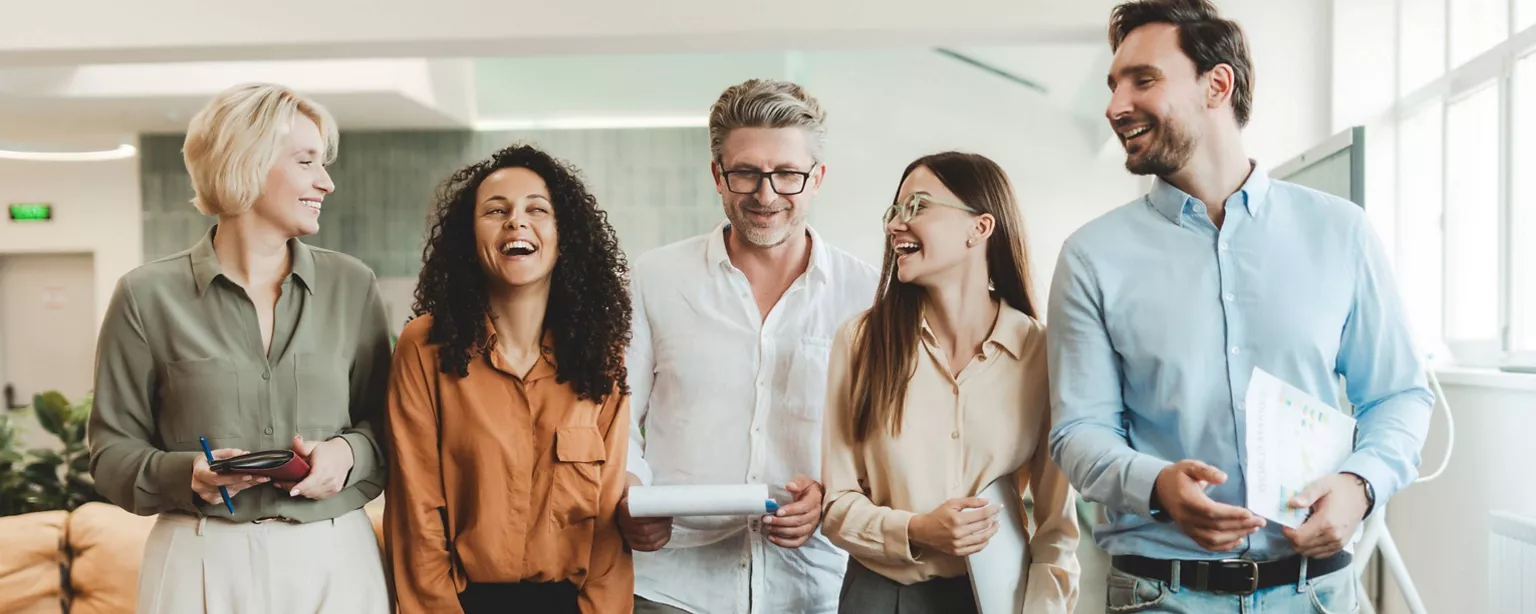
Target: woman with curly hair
(508, 401)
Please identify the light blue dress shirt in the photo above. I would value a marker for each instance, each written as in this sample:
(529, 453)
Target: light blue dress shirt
(1158, 318)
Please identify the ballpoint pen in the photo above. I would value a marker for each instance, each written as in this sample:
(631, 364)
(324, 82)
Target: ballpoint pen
(223, 492)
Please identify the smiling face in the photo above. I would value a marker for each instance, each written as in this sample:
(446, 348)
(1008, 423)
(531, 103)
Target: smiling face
(764, 217)
(515, 234)
(1157, 103)
(296, 185)
(938, 238)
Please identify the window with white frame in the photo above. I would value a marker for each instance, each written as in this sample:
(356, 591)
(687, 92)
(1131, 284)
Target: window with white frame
(1458, 156)
(1523, 207)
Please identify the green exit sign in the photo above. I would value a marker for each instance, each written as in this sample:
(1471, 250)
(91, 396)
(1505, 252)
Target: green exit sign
(31, 212)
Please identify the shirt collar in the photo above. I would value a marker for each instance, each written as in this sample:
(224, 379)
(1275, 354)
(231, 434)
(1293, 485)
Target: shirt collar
(206, 267)
(1173, 202)
(817, 270)
(542, 368)
(1009, 333)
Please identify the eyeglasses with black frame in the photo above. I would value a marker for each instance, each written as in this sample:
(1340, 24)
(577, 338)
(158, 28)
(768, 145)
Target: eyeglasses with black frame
(783, 182)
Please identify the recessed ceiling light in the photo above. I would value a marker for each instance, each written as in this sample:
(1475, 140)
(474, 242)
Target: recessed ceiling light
(122, 151)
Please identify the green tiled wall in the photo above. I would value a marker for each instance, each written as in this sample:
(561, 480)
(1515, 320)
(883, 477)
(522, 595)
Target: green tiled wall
(654, 183)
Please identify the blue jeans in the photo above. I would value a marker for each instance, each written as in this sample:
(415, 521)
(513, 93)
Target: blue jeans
(1335, 593)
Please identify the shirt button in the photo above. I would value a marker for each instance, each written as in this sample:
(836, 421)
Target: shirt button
(1222, 246)
(954, 435)
(268, 431)
(1234, 350)
(957, 389)
(266, 375)
(1227, 297)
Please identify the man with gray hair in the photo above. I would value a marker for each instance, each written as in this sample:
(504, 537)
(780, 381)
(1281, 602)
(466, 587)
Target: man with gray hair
(728, 370)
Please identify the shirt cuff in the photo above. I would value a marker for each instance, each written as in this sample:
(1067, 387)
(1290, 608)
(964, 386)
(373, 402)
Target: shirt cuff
(364, 462)
(1375, 472)
(1140, 478)
(173, 476)
(898, 544)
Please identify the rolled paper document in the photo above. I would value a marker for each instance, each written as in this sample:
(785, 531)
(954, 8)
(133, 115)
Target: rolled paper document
(695, 500)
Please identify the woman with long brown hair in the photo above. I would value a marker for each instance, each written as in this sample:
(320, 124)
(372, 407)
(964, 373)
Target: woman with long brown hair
(937, 391)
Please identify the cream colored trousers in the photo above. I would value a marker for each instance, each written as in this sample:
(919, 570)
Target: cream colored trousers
(213, 566)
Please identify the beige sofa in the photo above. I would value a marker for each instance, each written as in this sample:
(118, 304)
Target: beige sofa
(83, 562)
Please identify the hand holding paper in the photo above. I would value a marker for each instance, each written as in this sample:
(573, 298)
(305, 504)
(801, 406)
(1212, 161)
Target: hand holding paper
(792, 525)
(1294, 440)
(1338, 505)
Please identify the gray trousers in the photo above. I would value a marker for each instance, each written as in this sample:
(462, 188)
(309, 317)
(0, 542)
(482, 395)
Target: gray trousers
(867, 592)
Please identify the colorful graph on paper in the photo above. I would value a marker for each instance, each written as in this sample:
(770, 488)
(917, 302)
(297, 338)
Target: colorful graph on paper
(1293, 439)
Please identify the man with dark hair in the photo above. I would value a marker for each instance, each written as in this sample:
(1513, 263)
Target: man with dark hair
(1161, 310)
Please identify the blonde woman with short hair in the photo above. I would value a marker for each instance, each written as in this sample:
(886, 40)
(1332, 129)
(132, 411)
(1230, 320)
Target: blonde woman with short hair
(250, 341)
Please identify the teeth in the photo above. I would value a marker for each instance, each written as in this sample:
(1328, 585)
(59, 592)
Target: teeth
(1135, 133)
(517, 248)
(907, 247)
(312, 203)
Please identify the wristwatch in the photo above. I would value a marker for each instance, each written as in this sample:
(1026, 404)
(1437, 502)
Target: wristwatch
(1370, 493)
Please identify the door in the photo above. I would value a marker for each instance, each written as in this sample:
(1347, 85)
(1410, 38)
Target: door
(47, 326)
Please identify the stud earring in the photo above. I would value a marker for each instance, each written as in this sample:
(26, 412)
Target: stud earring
(971, 242)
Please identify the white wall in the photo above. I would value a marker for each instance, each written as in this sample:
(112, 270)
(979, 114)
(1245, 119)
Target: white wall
(1442, 526)
(1292, 47)
(888, 108)
(96, 210)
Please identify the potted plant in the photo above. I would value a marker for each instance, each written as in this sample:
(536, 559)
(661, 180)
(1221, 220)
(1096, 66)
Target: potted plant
(43, 479)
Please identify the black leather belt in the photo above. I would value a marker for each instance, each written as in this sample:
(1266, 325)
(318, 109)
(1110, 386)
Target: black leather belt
(1234, 576)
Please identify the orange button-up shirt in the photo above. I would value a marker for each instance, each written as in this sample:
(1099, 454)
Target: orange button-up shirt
(497, 477)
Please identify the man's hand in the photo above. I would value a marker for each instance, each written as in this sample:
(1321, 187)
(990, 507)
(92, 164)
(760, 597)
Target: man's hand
(206, 483)
(1338, 504)
(793, 524)
(1217, 527)
(329, 463)
(957, 527)
(642, 534)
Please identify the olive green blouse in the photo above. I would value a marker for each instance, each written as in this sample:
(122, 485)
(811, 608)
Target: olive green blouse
(180, 356)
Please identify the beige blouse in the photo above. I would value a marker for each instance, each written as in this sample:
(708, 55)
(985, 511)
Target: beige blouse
(958, 435)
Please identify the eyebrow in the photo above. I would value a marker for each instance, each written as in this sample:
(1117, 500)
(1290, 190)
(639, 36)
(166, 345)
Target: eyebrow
(500, 198)
(1135, 70)
(787, 166)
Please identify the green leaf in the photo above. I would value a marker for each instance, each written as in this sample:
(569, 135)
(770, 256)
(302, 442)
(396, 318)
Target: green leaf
(47, 456)
(52, 412)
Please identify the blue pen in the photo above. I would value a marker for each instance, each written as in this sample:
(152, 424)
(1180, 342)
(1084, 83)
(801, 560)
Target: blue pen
(223, 492)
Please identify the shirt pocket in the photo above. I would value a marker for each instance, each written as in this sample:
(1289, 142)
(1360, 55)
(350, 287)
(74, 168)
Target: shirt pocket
(805, 390)
(200, 398)
(324, 394)
(580, 454)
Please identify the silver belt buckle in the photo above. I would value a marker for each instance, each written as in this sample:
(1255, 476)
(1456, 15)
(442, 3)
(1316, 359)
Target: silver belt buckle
(1253, 572)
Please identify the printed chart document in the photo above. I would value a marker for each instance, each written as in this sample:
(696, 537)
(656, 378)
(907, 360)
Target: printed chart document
(1000, 570)
(1293, 440)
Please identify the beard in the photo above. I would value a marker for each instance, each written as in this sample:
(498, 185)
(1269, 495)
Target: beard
(770, 235)
(1168, 151)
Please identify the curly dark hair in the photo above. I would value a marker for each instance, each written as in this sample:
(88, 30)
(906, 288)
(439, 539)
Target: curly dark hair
(589, 309)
